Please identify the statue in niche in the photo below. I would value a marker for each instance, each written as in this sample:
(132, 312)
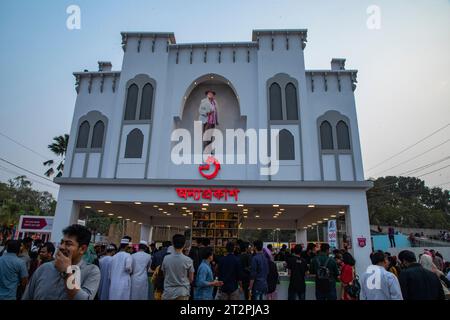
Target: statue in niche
(208, 113)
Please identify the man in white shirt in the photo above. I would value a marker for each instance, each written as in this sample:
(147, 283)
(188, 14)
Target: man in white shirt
(120, 273)
(379, 284)
(141, 266)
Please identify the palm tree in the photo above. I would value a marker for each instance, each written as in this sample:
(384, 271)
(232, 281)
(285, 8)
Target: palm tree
(58, 147)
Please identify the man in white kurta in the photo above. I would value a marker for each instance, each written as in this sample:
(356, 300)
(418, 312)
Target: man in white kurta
(105, 267)
(139, 278)
(121, 269)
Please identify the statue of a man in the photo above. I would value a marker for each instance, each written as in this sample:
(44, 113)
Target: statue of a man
(208, 112)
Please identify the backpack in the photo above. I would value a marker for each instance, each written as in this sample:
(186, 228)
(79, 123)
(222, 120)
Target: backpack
(354, 289)
(323, 277)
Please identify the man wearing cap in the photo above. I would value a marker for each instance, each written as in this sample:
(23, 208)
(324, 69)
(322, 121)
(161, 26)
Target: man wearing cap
(121, 269)
(208, 112)
(139, 278)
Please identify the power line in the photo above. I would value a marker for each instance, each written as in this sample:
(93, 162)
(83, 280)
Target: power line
(24, 146)
(416, 170)
(31, 179)
(413, 157)
(31, 172)
(409, 147)
(425, 174)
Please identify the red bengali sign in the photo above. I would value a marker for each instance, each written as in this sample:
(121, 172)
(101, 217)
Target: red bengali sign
(207, 193)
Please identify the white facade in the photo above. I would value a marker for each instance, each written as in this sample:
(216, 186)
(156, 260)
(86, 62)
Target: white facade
(326, 172)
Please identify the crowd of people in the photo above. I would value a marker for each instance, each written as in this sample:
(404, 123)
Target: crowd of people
(32, 270)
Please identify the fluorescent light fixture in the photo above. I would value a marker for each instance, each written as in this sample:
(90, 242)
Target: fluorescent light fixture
(184, 214)
(164, 211)
(257, 216)
(204, 209)
(160, 209)
(137, 202)
(168, 214)
(333, 216)
(224, 209)
(127, 219)
(88, 207)
(311, 206)
(205, 204)
(325, 219)
(186, 227)
(140, 223)
(314, 224)
(107, 202)
(101, 211)
(275, 205)
(155, 206)
(171, 204)
(134, 221)
(259, 228)
(110, 214)
(240, 205)
(341, 211)
(184, 208)
(120, 217)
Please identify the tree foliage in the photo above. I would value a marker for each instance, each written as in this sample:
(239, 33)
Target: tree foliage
(407, 202)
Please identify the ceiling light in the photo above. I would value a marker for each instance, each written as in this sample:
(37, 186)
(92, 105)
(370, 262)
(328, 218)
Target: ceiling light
(160, 209)
(88, 207)
(184, 214)
(186, 227)
(341, 211)
(164, 211)
(311, 206)
(257, 216)
(333, 216)
(240, 205)
(168, 214)
(281, 209)
(110, 214)
(314, 224)
(155, 206)
(140, 223)
(224, 209)
(107, 202)
(275, 216)
(134, 221)
(205, 204)
(320, 221)
(305, 227)
(190, 213)
(279, 212)
(204, 209)
(325, 219)
(275, 205)
(309, 226)
(127, 219)
(101, 211)
(245, 217)
(259, 228)
(184, 208)
(171, 204)
(137, 202)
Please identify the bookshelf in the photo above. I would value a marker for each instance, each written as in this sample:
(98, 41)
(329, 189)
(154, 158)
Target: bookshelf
(219, 227)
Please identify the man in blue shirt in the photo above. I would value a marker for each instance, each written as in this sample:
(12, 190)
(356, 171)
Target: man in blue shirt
(204, 282)
(259, 271)
(13, 271)
(230, 274)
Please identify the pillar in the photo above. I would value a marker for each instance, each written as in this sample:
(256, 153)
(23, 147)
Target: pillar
(150, 235)
(300, 237)
(66, 214)
(145, 233)
(358, 226)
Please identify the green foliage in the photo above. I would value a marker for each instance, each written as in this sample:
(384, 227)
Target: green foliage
(407, 202)
(17, 197)
(59, 148)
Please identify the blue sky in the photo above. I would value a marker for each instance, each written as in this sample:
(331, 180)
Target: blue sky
(403, 92)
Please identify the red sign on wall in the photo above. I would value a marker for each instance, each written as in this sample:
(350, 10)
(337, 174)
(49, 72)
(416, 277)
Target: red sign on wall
(207, 193)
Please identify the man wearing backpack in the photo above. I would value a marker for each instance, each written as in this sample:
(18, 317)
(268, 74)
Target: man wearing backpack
(326, 271)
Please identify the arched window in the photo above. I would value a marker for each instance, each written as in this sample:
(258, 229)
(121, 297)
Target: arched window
(83, 135)
(326, 136)
(275, 102)
(132, 97)
(97, 135)
(286, 142)
(291, 101)
(134, 144)
(146, 102)
(343, 137)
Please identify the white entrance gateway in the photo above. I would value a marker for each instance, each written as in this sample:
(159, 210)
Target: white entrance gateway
(119, 155)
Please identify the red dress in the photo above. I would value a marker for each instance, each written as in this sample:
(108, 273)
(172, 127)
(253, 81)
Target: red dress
(347, 277)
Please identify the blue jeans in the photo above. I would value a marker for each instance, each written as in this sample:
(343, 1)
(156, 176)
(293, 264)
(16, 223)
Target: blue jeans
(330, 295)
(258, 295)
